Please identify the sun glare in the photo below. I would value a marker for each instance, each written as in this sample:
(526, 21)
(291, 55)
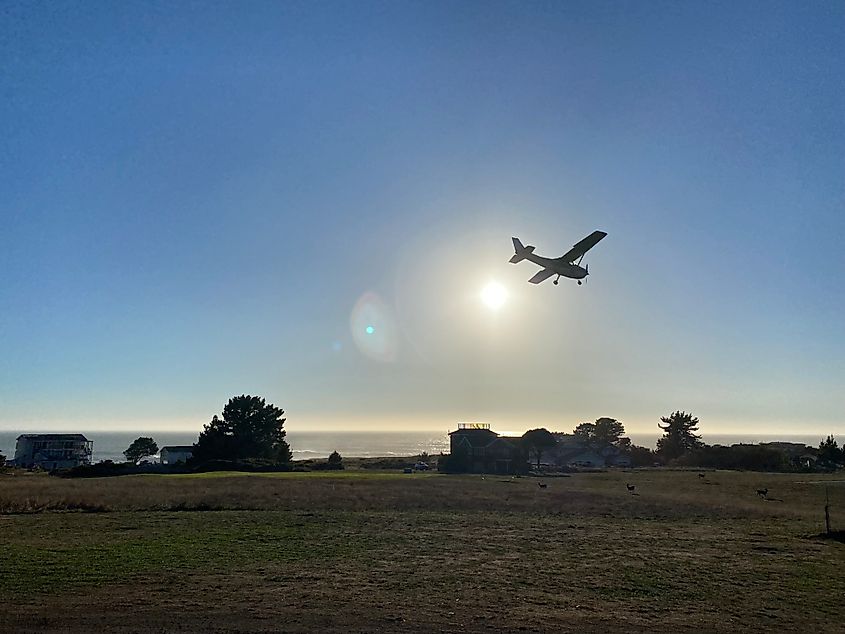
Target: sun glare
(494, 295)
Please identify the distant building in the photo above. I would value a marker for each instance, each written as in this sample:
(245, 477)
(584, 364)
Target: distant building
(53, 451)
(582, 458)
(173, 454)
(475, 448)
(574, 451)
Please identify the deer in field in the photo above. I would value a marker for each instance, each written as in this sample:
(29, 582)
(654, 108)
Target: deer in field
(631, 487)
(763, 493)
(542, 485)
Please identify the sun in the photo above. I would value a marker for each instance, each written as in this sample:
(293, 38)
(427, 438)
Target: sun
(494, 295)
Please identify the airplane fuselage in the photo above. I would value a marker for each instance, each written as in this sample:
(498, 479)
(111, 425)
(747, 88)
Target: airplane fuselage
(560, 267)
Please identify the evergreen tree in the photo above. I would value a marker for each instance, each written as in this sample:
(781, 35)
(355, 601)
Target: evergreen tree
(250, 429)
(335, 461)
(829, 451)
(678, 437)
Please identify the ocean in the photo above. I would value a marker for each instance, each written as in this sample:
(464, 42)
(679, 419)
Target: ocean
(110, 445)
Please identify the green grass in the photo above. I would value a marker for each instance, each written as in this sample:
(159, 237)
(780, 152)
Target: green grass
(59, 553)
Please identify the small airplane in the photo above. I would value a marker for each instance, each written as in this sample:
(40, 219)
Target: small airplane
(564, 265)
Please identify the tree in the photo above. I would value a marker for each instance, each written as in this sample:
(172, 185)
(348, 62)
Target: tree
(140, 448)
(537, 441)
(335, 461)
(829, 451)
(250, 429)
(640, 456)
(605, 431)
(625, 444)
(586, 431)
(678, 437)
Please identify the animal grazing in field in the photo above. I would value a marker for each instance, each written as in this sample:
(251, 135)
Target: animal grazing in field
(631, 487)
(763, 493)
(542, 485)
(700, 475)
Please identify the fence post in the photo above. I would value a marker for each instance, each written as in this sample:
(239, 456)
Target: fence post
(827, 510)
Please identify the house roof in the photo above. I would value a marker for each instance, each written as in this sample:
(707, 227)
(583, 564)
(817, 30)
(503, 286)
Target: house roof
(53, 437)
(474, 432)
(481, 437)
(566, 441)
(475, 437)
(178, 448)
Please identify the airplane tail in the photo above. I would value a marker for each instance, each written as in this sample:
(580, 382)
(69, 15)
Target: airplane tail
(520, 251)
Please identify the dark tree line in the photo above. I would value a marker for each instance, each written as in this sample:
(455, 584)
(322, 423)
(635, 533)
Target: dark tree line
(681, 446)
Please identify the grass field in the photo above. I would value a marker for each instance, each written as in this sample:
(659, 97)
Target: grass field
(378, 551)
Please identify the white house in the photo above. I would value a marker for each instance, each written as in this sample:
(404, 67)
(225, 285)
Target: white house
(176, 453)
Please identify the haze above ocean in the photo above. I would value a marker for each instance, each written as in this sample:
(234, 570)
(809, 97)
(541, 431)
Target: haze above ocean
(110, 445)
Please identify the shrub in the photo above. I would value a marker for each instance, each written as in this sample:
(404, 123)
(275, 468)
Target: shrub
(388, 463)
(743, 457)
(253, 465)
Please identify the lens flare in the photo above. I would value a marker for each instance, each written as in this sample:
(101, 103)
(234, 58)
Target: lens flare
(374, 328)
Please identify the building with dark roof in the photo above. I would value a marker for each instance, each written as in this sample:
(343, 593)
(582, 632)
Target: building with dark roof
(53, 451)
(475, 448)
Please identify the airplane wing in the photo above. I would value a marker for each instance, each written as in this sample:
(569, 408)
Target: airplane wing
(541, 276)
(583, 246)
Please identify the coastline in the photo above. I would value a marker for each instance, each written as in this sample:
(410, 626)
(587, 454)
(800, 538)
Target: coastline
(351, 444)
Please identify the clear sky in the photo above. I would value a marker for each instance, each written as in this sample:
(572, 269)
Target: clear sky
(205, 199)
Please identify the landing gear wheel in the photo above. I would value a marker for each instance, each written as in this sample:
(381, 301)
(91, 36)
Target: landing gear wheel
(555, 282)
(579, 282)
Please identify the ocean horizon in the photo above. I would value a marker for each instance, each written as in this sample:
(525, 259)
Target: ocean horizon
(305, 445)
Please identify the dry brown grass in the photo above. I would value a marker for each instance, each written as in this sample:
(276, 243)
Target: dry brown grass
(659, 493)
(362, 552)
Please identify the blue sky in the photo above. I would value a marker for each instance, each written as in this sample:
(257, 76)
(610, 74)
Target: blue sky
(196, 197)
